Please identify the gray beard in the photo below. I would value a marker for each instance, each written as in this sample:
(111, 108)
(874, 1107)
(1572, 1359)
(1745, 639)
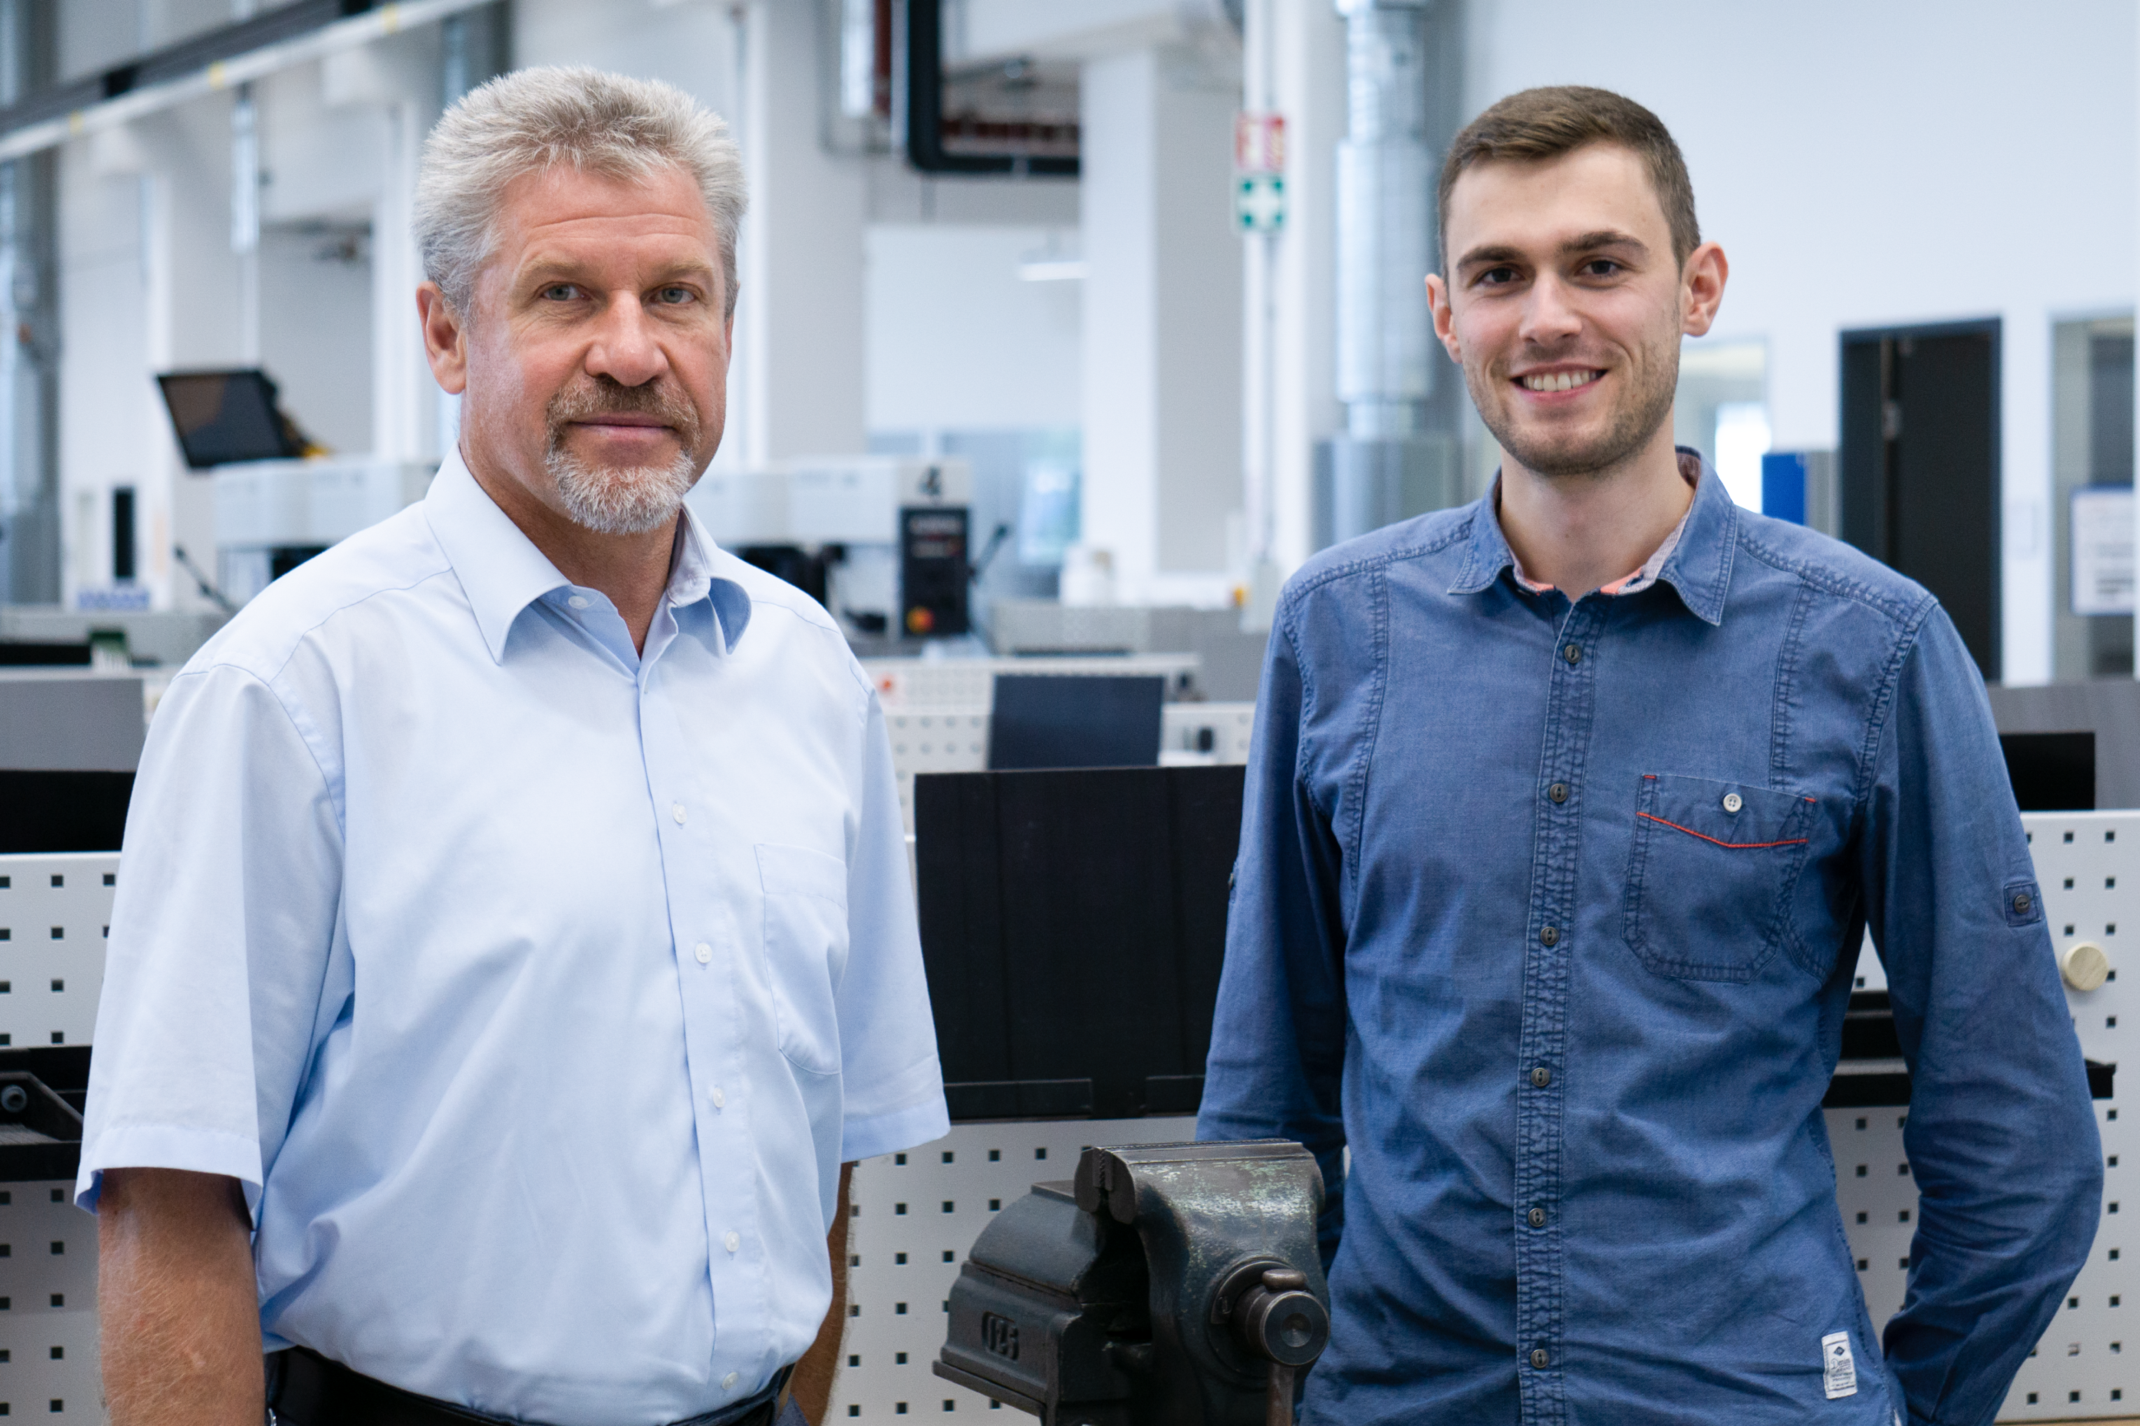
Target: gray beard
(630, 501)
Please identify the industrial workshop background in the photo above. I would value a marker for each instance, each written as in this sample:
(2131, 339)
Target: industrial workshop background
(1067, 332)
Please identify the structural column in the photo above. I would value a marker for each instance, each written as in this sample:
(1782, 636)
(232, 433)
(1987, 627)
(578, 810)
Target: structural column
(1307, 66)
(1162, 325)
(796, 384)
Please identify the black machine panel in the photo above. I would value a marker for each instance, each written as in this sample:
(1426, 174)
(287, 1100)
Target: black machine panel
(1073, 924)
(62, 811)
(2051, 772)
(934, 570)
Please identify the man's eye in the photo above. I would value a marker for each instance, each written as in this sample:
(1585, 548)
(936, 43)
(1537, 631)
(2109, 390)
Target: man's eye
(1600, 267)
(560, 292)
(1497, 277)
(674, 295)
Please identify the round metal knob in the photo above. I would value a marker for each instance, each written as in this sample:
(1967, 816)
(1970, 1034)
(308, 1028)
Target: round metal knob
(1279, 1319)
(2084, 965)
(14, 1099)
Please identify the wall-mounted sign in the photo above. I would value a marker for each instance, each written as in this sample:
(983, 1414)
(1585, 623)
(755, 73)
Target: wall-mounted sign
(1258, 142)
(1259, 203)
(2103, 549)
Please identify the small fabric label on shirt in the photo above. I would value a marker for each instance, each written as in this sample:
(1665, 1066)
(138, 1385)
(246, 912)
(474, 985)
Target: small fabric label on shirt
(1839, 1373)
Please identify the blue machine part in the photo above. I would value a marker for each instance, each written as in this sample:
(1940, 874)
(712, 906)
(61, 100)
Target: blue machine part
(1783, 486)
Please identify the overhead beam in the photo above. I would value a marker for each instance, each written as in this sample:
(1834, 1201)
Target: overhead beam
(247, 50)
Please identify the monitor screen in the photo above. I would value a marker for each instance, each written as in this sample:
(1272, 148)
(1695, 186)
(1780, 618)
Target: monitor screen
(225, 416)
(1075, 720)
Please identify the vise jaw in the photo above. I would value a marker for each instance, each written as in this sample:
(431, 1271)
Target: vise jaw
(1167, 1285)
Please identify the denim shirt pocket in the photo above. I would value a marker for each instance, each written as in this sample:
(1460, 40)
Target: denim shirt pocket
(805, 950)
(1710, 874)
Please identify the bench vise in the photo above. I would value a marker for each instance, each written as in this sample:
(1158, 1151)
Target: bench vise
(1167, 1285)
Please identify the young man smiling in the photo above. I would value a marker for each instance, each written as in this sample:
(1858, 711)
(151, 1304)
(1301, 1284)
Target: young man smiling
(1566, 816)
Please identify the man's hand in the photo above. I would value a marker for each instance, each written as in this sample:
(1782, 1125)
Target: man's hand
(177, 1300)
(811, 1385)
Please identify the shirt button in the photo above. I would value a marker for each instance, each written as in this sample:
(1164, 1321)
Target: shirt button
(703, 951)
(1733, 802)
(1538, 1218)
(1541, 1076)
(720, 1100)
(1550, 936)
(1558, 792)
(1539, 1359)
(676, 810)
(728, 1383)
(2022, 903)
(732, 1242)
(578, 601)
(1573, 653)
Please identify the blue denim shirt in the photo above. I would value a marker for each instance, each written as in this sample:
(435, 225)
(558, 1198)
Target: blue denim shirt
(1550, 914)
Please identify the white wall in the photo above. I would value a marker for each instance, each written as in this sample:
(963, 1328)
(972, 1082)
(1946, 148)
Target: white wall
(957, 342)
(1880, 164)
(315, 329)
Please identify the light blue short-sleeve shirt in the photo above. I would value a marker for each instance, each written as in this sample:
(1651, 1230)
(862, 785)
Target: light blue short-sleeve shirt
(534, 988)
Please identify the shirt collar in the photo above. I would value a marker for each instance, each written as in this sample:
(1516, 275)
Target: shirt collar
(1695, 559)
(503, 572)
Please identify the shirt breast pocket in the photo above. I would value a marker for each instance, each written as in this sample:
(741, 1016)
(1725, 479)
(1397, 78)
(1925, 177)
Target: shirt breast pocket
(1710, 875)
(805, 950)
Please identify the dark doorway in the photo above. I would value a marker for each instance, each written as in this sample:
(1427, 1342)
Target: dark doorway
(1920, 466)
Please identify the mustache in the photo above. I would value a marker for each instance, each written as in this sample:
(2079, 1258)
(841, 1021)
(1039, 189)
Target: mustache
(605, 396)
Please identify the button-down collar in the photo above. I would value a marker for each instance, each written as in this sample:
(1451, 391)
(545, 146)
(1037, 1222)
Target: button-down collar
(503, 572)
(1697, 566)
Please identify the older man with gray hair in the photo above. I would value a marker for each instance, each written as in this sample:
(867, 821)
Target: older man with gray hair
(514, 938)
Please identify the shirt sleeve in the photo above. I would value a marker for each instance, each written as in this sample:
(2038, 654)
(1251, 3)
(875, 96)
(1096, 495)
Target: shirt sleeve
(2001, 1134)
(1278, 1034)
(225, 912)
(893, 1086)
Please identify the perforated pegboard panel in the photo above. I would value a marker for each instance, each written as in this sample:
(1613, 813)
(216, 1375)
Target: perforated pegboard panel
(48, 1304)
(54, 911)
(915, 1215)
(2087, 866)
(1206, 732)
(947, 738)
(954, 738)
(937, 683)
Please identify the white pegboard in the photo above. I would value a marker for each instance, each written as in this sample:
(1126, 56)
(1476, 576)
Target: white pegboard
(55, 911)
(54, 914)
(914, 1216)
(946, 738)
(1191, 733)
(2087, 867)
(954, 738)
(968, 683)
(48, 1304)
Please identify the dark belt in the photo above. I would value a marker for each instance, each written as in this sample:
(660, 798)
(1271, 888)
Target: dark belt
(306, 1389)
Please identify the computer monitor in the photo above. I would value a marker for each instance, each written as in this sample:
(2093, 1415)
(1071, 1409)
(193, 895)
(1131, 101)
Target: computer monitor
(1075, 720)
(225, 416)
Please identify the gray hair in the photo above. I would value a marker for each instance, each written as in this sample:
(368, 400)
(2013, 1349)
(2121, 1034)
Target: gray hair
(530, 121)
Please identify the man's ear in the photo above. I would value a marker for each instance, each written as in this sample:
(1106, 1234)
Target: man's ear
(445, 339)
(1444, 317)
(1701, 288)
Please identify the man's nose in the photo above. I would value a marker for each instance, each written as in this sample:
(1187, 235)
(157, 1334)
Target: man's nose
(1548, 316)
(625, 349)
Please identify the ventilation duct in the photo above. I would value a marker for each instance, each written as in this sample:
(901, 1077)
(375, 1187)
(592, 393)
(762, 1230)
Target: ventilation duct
(1386, 466)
